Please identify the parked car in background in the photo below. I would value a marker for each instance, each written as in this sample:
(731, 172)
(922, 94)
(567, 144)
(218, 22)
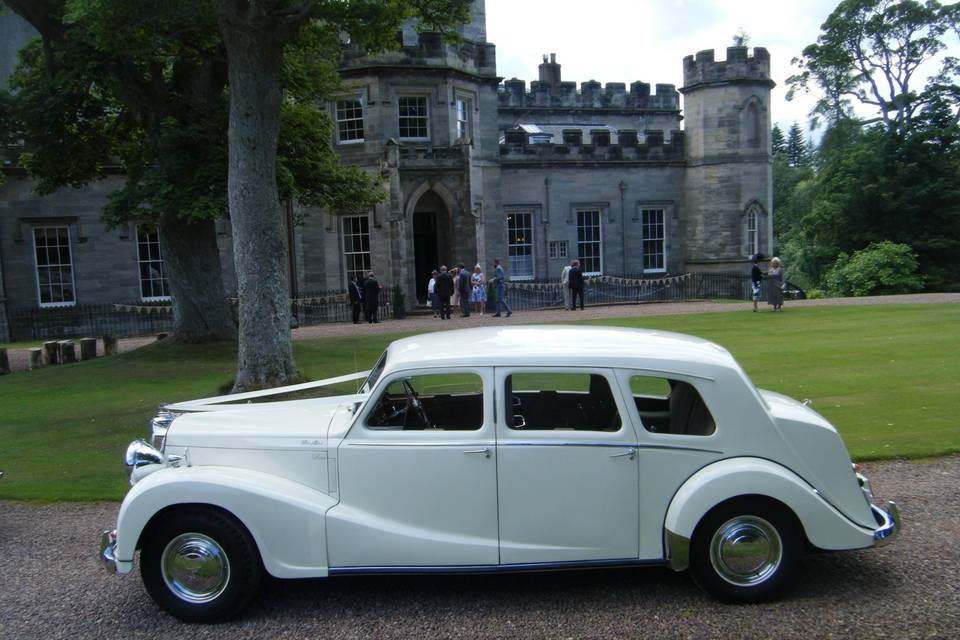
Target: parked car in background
(495, 449)
(792, 291)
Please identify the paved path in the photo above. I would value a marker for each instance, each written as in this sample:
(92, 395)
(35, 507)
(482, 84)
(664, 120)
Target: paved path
(53, 587)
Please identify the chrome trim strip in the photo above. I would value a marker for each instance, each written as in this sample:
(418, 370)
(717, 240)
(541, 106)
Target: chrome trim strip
(497, 568)
(536, 443)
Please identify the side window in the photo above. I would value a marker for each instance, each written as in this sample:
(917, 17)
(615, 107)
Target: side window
(560, 401)
(671, 406)
(448, 401)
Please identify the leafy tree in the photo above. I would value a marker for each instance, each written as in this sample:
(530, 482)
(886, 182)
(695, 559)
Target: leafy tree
(146, 83)
(256, 34)
(881, 268)
(869, 52)
(741, 38)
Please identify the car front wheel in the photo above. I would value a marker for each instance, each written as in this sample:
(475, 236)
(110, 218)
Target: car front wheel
(200, 565)
(746, 550)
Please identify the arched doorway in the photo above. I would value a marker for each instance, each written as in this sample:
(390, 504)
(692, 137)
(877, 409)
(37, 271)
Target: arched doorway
(431, 244)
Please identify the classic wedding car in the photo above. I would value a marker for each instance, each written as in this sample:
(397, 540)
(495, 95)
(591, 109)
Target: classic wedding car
(495, 449)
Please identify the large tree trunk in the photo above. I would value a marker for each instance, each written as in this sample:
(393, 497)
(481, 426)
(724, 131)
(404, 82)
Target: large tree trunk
(254, 50)
(192, 264)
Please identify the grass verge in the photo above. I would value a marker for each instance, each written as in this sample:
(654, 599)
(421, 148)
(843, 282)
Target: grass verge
(887, 376)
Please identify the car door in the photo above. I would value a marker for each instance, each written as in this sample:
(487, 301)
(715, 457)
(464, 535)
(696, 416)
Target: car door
(418, 485)
(567, 470)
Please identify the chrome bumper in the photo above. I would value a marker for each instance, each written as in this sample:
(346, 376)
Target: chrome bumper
(889, 521)
(108, 545)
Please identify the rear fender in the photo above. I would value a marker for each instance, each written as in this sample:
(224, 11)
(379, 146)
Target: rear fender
(824, 526)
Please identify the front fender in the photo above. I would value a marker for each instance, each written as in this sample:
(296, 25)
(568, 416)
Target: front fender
(824, 526)
(286, 519)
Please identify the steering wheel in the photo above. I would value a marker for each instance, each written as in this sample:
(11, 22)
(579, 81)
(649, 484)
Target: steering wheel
(413, 400)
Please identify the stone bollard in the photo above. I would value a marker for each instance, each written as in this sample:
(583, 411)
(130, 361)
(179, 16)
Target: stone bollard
(88, 348)
(161, 336)
(68, 352)
(4, 362)
(109, 345)
(36, 358)
(51, 352)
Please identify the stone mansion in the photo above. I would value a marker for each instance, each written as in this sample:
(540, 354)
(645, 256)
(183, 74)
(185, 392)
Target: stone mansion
(476, 168)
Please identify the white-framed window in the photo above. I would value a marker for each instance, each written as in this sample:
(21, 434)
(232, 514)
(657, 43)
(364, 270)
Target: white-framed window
(349, 120)
(414, 118)
(464, 108)
(356, 245)
(590, 241)
(654, 239)
(153, 279)
(520, 244)
(753, 238)
(557, 249)
(55, 286)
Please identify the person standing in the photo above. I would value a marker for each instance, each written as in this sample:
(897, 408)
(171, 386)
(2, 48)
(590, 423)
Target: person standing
(371, 297)
(756, 281)
(576, 285)
(775, 285)
(444, 289)
(455, 298)
(356, 298)
(432, 294)
(565, 285)
(478, 295)
(463, 286)
(501, 281)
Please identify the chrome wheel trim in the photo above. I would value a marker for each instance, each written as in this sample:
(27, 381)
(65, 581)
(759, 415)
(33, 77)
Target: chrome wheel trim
(746, 551)
(195, 568)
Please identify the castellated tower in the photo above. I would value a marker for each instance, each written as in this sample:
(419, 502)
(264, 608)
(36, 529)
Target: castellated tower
(729, 184)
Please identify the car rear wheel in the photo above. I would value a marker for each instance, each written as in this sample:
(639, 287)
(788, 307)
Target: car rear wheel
(746, 550)
(200, 565)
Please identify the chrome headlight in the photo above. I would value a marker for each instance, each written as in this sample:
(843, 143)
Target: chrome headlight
(159, 425)
(140, 454)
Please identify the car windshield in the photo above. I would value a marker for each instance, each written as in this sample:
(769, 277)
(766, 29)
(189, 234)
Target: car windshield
(371, 380)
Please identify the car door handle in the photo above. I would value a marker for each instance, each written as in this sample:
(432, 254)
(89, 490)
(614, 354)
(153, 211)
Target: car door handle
(485, 451)
(629, 453)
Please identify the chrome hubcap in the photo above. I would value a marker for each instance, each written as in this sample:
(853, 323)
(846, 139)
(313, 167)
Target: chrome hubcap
(746, 551)
(195, 568)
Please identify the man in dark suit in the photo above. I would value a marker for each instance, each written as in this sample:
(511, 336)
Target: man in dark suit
(465, 289)
(444, 289)
(356, 298)
(371, 297)
(576, 285)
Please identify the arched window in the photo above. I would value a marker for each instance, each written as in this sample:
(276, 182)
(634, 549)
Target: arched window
(752, 228)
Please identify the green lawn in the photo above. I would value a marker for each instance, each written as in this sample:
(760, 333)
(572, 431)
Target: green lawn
(887, 376)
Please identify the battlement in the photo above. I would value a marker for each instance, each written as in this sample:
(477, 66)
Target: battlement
(592, 95)
(517, 147)
(739, 66)
(427, 50)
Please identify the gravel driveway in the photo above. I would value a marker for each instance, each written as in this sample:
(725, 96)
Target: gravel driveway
(52, 587)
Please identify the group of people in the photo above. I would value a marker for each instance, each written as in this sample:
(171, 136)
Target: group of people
(458, 287)
(364, 295)
(774, 280)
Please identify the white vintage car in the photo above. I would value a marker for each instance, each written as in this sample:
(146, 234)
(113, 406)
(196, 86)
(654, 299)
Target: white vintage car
(497, 449)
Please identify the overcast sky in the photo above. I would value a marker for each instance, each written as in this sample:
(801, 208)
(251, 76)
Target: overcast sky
(629, 40)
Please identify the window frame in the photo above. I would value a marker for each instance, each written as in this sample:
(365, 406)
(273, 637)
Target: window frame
(58, 266)
(514, 273)
(358, 100)
(487, 423)
(346, 255)
(598, 241)
(558, 249)
(164, 282)
(465, 135)
(701, 384)
(662, 240)
(425, 117)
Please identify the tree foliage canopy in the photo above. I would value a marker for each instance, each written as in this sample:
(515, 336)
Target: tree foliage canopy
(870, 51)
